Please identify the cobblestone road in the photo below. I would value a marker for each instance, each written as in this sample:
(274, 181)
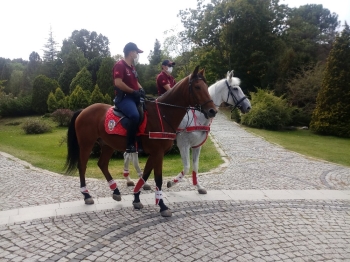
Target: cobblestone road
(207, 230)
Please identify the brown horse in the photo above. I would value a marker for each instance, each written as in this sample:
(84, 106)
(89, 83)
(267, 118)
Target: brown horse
(164, 116)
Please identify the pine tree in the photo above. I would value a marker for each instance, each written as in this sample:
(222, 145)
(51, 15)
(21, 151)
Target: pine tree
(50, 51)
(332, 113)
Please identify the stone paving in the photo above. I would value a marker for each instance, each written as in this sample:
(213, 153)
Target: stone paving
(216, 230)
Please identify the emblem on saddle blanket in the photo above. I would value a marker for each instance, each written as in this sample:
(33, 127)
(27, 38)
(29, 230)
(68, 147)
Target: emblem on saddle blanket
(114, 127)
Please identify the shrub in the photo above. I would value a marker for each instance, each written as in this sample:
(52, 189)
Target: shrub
(269, 111)
(236, 115)
(36, 126)
(62, 116)
(11, 106)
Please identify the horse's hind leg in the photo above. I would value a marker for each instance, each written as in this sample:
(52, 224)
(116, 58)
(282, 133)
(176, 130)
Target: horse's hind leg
(195, 163)
(185, 157)
(127, 158)
(106, 154)
(83, 159)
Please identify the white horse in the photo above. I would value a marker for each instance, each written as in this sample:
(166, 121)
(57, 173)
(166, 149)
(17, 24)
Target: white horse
(193, 131)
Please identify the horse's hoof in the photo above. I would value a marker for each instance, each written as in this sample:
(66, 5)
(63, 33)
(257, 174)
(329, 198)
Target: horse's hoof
(117, 197)
(146, 187)
(166, 213)
(130, 183)
(89, 201)
(202, 191)
(137, 205)
(169, 184)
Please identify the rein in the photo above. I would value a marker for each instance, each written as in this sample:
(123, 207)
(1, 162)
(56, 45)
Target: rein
(235, 100)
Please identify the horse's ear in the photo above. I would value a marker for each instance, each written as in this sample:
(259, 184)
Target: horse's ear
(231, 74)
(202, 72)
(195, 72)
(228, 73)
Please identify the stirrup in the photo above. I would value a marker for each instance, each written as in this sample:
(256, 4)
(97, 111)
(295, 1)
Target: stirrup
(130, 149)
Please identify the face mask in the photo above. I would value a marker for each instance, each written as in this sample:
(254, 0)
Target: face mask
(170, 69)
(136, 59)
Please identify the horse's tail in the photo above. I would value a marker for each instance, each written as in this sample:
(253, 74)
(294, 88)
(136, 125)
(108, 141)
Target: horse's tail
(72, 146)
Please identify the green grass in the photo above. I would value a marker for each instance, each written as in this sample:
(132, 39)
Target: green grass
(329, 148)
(44, 151)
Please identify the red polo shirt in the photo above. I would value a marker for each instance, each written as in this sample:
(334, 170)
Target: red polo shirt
(162, 80)
(127, 73)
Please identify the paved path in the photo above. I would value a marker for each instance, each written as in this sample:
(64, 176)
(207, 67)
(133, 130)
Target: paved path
(264, 204)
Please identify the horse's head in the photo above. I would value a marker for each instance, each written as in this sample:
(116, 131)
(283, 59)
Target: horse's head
(235, 95)
(199, 94)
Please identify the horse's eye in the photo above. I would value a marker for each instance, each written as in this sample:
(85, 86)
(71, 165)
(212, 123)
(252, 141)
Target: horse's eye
(235, 88)
(197, 87)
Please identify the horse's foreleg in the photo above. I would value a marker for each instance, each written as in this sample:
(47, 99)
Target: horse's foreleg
(142, 180)
(185, 157)
(195, 163)
(106, 154)
(158, 178)
(127, 157)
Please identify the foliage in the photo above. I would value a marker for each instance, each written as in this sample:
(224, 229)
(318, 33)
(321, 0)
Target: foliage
(11, 106)
(236, 115)
(62, 116)
(52, 104)
(104, 76)
(268, 111)
(332, 113)
(97, 96)
(42, 87)
(90, 43)
(50, 51)
(36, 126)
(302, 92)
(78, 99)
(83, 79)
(73, 61)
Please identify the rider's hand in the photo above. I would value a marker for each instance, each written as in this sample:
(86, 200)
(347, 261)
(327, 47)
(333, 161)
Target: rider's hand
(136, 95)
(142, 92)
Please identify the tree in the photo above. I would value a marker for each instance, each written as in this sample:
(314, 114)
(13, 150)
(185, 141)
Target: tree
(42, 87)
(60, 98)
(78, 99)
(97, 96)
(73, 61)
(90, 43)
(50, 51)
(83, 79)
(104, 76)
(332, 113)
(52, 103)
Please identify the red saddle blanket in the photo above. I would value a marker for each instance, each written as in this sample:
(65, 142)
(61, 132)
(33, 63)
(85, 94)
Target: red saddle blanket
(114, 127)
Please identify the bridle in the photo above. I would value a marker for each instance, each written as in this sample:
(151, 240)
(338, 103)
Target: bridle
(234, 98)
(191, 93)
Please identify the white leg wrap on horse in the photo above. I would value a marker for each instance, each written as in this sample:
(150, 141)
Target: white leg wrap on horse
(159, 195)
(139, 184)
(84, 190)
(112, 184)
(179, 177)
(194, 178)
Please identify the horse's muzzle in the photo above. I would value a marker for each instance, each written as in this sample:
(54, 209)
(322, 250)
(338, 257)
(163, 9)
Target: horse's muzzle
(210, 113)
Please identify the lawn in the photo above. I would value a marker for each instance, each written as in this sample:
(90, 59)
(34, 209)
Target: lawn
(329, 148)
(46, 151)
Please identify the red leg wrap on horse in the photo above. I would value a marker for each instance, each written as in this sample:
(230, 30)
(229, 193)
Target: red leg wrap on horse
(112, 184)
(139, 184)
(194, 178)
(126, 173)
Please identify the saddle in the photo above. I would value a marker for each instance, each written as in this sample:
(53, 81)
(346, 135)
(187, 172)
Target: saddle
(116, 122)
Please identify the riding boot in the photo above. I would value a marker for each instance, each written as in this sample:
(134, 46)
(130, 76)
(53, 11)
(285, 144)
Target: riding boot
(131, 137)
(139, 144)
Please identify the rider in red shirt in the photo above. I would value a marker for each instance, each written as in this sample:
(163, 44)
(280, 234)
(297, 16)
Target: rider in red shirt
(165, 80)
(127, 91)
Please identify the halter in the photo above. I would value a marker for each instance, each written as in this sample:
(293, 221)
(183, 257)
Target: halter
(235, 100)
